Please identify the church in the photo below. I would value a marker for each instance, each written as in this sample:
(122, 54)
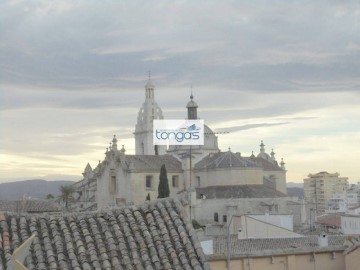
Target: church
(122, 179)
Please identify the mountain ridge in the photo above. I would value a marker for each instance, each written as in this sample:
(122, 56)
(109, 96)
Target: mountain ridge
(33, 188)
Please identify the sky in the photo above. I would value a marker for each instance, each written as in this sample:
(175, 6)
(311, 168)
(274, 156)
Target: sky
(72, 74)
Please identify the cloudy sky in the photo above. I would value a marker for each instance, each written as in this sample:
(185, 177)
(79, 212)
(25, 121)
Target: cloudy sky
(72, 74)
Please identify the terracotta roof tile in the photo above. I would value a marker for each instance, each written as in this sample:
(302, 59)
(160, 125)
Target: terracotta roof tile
(29, 206)
(238, 191)
(151, 236)
(250, 246)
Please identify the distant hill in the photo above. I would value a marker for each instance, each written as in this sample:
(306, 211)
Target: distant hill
(295, 189)
(295, 192)
(292, 184)
(36, 188)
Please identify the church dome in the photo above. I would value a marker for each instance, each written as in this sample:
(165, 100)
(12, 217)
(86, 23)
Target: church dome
(191, 103)
(210, 143)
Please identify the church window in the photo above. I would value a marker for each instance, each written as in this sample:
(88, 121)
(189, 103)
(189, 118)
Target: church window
(148, 181)
(216, 217)
(175, 181)
(112, 184)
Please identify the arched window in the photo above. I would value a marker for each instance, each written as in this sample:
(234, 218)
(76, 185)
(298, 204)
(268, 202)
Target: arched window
(216, 217)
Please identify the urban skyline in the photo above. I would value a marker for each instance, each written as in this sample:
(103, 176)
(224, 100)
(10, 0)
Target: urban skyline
(73, 74)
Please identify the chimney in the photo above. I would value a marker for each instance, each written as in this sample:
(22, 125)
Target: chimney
(323, 240)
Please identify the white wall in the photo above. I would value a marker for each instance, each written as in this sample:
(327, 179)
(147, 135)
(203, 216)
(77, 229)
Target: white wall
(284, 221)
(350, 225)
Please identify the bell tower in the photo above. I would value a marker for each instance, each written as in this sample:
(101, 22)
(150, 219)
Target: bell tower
(192, 108)
(144, 126)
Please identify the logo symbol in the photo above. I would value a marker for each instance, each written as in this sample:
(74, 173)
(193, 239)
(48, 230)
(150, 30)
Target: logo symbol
(178, 132)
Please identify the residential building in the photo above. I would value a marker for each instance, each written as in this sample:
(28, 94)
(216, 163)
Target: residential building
(319, 188)
(352, 196)
(350, 224)
(217, 204)
(330, 222)
(337, 203)
(291, 253)
(355, 210)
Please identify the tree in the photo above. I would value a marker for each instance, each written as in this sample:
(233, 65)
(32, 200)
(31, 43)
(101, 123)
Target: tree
(148, 197)
(163, 189)
(49, 196)
(66, 192)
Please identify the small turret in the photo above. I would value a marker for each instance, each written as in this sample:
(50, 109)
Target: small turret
(272, 155)
(114, 143)
(282, 164)
(192, 108)
(149, 89)
(262, 148)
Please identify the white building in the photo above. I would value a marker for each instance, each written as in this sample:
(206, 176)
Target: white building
(337, 203)
(350, 224)
(319, 188)
(122, 179)
(355, 210)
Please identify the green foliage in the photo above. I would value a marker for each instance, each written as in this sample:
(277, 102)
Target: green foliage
(163, 188)
(196, 225)
(66, 192)
(49, 196)
(148, 197)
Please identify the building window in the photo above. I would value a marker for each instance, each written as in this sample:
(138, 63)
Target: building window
(224, 218)
(148, 181)
(216, 217)
(175, 181)
(198, 181)
(113, 184)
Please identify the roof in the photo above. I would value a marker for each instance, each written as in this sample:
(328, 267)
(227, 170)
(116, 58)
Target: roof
(153, 162)
(354, 243)
(239, 191)
(253, 246)
(29, 206)
(155, 235)
(333, 219)
(229, 159)
(191, 103)
(224, 160)
(267, 165)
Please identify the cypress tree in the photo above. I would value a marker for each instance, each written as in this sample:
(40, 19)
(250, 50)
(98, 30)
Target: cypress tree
(148, 197)
(163, 188)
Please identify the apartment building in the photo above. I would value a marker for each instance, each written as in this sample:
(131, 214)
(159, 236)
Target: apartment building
(320, 188)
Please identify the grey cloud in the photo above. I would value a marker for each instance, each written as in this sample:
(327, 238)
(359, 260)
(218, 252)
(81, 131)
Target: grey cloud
(250, 126)
(256, 46)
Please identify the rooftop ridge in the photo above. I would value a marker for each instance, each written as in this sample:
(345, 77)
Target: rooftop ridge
(154, 234)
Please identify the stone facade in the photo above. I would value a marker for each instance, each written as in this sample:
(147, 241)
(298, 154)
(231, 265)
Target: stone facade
(122, 179)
